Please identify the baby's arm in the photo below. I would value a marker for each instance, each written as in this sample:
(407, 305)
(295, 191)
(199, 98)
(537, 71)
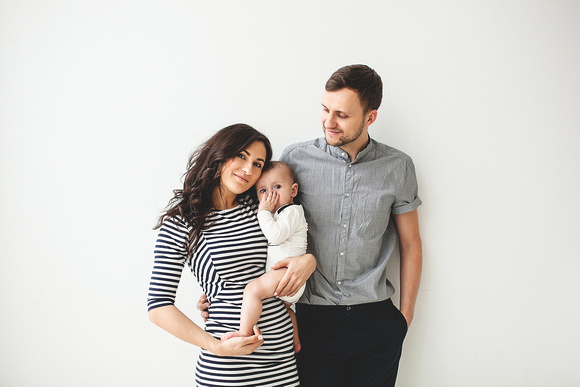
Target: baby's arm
(277, 231)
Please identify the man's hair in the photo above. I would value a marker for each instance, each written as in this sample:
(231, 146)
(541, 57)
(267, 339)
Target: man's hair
(279, 165)
(362, 79)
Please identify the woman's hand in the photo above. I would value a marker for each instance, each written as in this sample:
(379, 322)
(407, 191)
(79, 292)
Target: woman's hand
(299, 270)
(238, 345)
(175, 322)
(203, 306)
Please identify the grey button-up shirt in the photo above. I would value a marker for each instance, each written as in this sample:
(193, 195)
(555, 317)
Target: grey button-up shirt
(348, 206)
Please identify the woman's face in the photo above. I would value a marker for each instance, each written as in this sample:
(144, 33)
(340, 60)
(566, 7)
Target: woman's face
(242, 171)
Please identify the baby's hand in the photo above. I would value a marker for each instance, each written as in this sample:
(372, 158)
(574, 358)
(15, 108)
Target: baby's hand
(268, 202)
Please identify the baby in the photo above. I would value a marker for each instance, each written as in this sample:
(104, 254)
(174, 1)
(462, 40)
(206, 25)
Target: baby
(284, 225)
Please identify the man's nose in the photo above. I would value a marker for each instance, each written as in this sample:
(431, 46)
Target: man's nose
(329, 121)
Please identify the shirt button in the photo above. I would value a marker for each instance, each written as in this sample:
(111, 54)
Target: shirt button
(342, 253)
(350, 165)
(344, 225)
(339, 282)
(347, 195)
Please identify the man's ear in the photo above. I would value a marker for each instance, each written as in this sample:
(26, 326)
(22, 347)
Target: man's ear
(371, 117)
(294, 190)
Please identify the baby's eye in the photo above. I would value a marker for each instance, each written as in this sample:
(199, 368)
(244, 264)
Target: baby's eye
(277, 186)
(262, 191)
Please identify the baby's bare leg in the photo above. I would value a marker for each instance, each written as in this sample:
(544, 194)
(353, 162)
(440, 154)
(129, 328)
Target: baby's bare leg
(297, 345)
(256, 291)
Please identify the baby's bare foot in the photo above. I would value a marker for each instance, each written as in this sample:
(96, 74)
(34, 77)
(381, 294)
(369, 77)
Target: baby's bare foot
(297, 345)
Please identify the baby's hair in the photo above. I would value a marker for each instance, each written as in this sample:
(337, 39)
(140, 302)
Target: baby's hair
(279, 164)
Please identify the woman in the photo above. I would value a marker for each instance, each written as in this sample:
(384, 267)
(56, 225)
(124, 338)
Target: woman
(211, 225)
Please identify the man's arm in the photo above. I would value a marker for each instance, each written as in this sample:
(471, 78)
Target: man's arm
(411, 260)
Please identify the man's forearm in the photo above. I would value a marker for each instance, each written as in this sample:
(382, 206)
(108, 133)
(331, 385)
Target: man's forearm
(410, 277)
(411, 260)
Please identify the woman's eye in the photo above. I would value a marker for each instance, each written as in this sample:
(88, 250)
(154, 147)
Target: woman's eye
(258, 165)
(241, 156)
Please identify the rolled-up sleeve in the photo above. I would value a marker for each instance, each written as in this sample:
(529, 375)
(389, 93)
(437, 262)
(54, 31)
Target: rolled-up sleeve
(407, 198)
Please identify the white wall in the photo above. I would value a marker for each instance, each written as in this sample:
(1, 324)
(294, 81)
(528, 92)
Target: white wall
(101, 103)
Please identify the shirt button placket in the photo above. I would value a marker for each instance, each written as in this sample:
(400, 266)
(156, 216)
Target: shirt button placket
(344, 221)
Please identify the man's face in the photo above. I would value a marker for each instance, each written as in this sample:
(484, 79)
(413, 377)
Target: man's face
(343, 120)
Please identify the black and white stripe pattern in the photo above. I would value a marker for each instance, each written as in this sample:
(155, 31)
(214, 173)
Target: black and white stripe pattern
(231, 252)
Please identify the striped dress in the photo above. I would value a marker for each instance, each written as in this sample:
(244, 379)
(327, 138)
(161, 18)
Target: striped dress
(231, 252)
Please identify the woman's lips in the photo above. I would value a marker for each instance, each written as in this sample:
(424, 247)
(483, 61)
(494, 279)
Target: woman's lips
(243, 180)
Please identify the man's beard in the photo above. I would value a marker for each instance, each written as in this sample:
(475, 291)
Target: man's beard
(343, 140)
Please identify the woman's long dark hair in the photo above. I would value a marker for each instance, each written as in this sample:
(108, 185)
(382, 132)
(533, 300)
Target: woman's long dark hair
(193, 203)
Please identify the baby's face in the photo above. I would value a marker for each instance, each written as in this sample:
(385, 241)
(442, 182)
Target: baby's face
(279, 181)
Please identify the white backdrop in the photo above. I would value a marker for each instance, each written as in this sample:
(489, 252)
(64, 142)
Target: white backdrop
(101, 103)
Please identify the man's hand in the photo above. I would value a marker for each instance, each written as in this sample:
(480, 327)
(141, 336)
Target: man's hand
(299, 270)
(408, 319)
(203, 305)
(234, 346)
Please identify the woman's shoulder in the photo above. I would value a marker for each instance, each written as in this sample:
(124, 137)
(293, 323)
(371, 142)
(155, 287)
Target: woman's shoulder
(176, 223)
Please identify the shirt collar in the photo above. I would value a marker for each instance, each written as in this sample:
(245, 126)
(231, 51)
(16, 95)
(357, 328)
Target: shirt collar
(342, 155)
(282, 208)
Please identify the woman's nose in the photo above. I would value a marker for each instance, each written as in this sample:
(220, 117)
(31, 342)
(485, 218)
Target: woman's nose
(247, 168)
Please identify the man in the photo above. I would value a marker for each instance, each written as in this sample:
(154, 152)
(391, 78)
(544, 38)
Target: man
(358, 195)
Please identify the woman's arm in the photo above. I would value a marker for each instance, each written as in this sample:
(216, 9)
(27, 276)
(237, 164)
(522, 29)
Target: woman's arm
(170, 257)
(179, 325)
(299, 270)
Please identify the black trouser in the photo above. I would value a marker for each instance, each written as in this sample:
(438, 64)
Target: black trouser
(357, 345)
